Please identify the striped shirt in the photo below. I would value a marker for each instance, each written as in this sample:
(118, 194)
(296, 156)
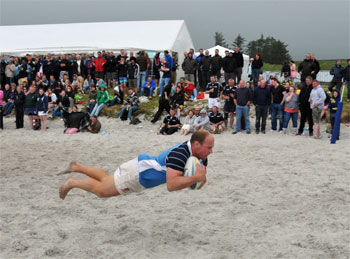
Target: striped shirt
(152, 170)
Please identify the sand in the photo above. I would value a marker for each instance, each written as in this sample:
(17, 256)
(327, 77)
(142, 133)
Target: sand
(267, 196)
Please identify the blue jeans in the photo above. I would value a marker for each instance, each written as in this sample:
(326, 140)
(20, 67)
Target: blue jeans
(57, 111)
(91, 107)
(141, 79)
(242, 110)
(97, 109)
(276, 109)
(163, 82)
(148, 91)
(130, 112)
(194, 95)
(8, 108)
(255, 76)
(287, 117)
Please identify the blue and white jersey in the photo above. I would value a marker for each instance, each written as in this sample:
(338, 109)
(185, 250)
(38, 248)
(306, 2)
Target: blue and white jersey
(152, 169)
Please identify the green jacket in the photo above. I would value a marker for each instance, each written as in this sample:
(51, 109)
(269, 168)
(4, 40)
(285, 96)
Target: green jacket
(102, 99)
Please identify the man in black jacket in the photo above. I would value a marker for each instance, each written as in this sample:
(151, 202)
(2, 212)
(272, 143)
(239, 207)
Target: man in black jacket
(205, 69)
(111, 69)
(317, 65)
(238, 56)
(216, 65)
(229, 66)
(306, 68)
(19, 107)
(262, 101)
(304, 105)
(346, 76)
(189, 66)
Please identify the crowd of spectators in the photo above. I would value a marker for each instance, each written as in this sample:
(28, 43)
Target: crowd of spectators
(39, 85)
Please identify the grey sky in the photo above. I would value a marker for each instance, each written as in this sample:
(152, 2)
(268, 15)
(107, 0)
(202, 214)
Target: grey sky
(317, 26)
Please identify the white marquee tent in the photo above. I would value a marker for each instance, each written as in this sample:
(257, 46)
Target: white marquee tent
(222, 54)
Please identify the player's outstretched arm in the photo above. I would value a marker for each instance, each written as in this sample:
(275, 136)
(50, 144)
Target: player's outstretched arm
(176, 181)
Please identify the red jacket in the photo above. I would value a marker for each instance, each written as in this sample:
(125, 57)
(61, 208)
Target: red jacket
(99, 62)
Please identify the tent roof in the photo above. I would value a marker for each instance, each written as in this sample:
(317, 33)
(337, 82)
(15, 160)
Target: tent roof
(222, 51)
(74, 37)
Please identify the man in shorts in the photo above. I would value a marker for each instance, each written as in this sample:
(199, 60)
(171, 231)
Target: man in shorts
(145, 171)
(228, 94)
(317, 97)
(214, 89)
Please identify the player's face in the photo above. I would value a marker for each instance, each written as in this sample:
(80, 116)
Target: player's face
(206, 148)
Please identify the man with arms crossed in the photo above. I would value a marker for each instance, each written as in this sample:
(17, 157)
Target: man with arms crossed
(145, 171)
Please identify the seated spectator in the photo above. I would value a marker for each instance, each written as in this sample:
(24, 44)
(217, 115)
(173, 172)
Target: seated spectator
(190, 91)
(101, 100)
(75, 121)
(10, 97)
(170, 123)
(130, 105)
(52, 98)
(148, 87)
(188, 123)
(62, 103)
(95, 125)
(202, 121)
(216, 120)
(88, 82)
(75, 84)
(178, 99)
(92, 98)
(118, 97)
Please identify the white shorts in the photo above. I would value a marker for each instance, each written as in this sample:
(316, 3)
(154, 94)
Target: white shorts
(187, 127)
(213, 102)
(126, 177)
(41, 113)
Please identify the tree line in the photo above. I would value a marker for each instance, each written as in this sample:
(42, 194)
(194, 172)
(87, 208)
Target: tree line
(272, 51)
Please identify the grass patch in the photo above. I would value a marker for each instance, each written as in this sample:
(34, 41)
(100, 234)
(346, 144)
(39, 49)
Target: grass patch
(324, 65)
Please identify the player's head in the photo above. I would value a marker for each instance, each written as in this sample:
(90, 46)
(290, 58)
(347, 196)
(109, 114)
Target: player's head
(202, 143)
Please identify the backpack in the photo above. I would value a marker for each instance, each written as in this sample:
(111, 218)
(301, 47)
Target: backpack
(36, 124)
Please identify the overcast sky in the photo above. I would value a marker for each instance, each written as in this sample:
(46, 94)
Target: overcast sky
(317, 26)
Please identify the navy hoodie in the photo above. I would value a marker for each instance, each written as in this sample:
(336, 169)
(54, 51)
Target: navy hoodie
(333, 104)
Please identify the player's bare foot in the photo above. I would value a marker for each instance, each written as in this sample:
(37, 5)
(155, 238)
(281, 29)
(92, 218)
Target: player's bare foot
(65, 188)
(73, 166)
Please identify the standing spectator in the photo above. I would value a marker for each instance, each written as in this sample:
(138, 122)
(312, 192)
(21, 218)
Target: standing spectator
(216, 120)
(98, 64)
(188, 123)
(149, 86)
(30, 105)
(306, 68)
(333, 107)
(42, 106)
(216, 65)
(317, 98)
(19, 107)
(277, 95)
(84, 65)
(23, 71)
(142, 61)
(166, 75)
(238, 56)
(169, 59)
(164, 103)
(156, 68)
(10, 71)
(123, 74)
(64, 66)
(317, 66)
(101, 100)
(131, 104)
(189, 66)
(230, 66)
(347, 78)
(293, 70)
(242, 101)
(170, 123)
(111, 70)
(133, 73)
(257, 64)
(174, 68)
(199, 70)
(1, 103)
(291, 109)
(337, 71)
(285, 71)
(304, 105)
(148, 71)
(205, 70)
(202, 121)
(214, 89)
(262, 101)
(228, 94)
(3, 64)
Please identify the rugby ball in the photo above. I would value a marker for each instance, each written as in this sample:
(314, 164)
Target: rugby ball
(190, 169)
